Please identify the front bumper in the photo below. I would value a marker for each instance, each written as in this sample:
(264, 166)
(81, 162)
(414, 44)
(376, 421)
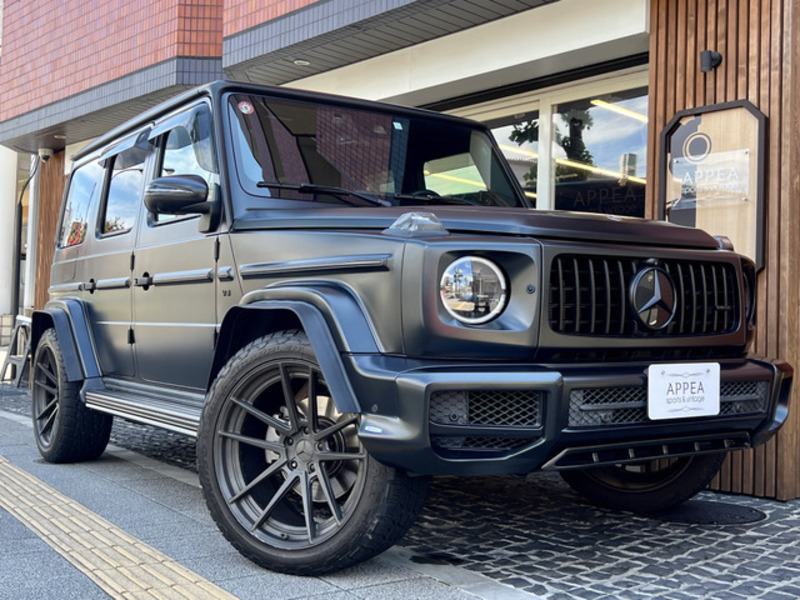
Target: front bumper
(469, 419)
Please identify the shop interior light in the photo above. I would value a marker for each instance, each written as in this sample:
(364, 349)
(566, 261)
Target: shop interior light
(620, 110)
(598, 170)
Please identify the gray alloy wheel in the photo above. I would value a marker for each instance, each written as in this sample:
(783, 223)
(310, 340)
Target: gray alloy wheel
(646, 487)
(64, 429)
(284, 473)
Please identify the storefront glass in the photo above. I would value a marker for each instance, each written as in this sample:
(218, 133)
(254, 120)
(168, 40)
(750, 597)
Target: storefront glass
(519, 141)
(581, 147)
(599, 150)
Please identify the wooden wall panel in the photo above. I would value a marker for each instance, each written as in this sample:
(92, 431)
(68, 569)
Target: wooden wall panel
(52, 187)
(758, 40)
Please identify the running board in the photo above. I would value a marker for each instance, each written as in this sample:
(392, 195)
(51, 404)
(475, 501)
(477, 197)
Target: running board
(179, 412)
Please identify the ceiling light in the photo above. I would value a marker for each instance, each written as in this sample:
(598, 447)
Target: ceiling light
(301, 62)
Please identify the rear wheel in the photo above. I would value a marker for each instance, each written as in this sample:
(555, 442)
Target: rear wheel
(646, 487)
(284, 473)
(64, 428)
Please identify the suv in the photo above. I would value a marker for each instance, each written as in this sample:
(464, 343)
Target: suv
(341, 298)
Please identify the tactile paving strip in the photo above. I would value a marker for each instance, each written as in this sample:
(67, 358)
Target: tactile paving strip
(121, 565)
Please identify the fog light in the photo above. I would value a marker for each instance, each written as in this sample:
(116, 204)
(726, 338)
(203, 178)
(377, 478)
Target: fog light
(473, 290)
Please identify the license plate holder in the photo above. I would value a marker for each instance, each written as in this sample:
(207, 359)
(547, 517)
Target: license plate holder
(677, 391)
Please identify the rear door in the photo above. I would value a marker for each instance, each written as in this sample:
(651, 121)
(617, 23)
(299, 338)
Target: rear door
(106, 245)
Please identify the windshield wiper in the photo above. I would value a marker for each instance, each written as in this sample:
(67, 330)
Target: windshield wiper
(427, 197)
(313, 188)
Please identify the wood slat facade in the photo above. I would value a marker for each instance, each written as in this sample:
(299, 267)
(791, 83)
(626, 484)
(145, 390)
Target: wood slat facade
(758, 40)
(52, 183)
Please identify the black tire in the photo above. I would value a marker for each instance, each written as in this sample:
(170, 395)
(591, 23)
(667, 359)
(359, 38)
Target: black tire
(65, 430)
(284, 474)
(646, 487)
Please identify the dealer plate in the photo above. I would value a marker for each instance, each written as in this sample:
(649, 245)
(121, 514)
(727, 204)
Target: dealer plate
(678, 391)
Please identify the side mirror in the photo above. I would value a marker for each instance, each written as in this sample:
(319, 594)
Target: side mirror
(177, 195)
(183, 195)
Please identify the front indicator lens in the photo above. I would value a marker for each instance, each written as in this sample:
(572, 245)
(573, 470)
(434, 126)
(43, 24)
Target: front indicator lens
(473, 290)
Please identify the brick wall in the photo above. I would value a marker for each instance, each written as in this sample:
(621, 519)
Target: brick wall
(240, 15)
(53, 49)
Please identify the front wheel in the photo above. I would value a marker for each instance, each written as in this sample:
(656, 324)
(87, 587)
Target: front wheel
(284, 473)
(647, 487)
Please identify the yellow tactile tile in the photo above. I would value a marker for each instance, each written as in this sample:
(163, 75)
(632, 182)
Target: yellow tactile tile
(123, 566)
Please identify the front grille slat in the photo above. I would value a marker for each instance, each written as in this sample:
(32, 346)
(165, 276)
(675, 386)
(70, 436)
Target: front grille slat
(590, 296)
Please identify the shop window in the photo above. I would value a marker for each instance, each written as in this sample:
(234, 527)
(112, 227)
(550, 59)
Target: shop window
(85, 185)
(580, 146)
(519, 141)
(599, 150)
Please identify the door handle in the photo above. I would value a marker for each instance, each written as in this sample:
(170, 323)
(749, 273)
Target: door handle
(145, 281)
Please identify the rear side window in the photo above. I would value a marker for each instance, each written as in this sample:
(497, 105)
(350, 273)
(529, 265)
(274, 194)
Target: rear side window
(124, 192)
(84, 190)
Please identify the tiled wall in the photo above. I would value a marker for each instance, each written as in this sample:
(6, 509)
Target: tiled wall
(244, 14)
(53, 49)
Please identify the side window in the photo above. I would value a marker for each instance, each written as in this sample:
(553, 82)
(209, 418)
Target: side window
(187, 150)
(84, 190)
(124, 192)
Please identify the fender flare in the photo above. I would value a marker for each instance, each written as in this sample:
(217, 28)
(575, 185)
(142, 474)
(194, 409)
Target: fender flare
(331, 317)
(68, 317)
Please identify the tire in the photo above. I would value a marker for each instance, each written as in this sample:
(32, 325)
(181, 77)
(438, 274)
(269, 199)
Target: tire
(65, 430)
(285, 475)
(646, 487)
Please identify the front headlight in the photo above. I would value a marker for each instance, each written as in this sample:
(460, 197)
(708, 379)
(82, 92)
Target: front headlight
(473, 290)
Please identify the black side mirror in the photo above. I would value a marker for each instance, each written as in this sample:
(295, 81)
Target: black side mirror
(183, 195)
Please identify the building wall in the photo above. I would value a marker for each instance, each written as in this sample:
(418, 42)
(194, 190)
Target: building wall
(240, 15)
(758, 40)
(98, 42)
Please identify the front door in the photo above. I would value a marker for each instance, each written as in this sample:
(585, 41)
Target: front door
(174, 290)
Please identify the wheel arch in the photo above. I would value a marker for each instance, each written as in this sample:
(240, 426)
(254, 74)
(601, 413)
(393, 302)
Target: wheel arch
(330, 317)
(68, 318)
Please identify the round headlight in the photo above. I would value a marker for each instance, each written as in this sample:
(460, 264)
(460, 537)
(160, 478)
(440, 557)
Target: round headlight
(473, 290)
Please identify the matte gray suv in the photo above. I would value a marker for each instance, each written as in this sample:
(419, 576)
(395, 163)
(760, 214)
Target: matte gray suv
(341, 298)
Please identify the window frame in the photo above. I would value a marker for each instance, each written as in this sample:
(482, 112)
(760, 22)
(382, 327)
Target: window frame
(546, 101)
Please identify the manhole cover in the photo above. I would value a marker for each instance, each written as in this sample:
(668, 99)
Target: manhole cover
(703, 512)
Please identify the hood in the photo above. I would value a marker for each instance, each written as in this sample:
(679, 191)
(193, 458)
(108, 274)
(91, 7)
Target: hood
(538, 224)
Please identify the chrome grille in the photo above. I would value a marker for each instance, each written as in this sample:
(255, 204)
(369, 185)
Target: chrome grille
(589, 295)
(599, 407)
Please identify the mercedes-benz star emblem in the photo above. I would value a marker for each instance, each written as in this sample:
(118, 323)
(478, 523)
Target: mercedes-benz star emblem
(653, 298)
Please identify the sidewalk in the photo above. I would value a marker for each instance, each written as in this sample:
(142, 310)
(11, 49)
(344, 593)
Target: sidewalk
(492, 538)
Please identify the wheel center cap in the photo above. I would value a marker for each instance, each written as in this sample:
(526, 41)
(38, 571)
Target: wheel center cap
(304, 450)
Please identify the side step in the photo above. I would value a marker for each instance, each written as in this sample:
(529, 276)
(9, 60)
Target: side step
(176, 411)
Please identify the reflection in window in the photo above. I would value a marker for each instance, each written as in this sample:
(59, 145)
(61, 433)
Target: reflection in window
(185, 154)
(599, 149)
(283, 147)
(519, 141)
(85, 186)
(123, 191)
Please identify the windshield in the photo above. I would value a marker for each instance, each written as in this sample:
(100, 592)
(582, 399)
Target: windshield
(291, 152)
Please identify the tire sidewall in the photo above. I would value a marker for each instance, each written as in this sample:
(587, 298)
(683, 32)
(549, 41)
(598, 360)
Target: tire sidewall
(262, 355)
(676, 488)
(49, 342)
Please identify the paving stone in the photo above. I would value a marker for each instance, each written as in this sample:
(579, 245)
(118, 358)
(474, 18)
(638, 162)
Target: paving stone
(532, 533)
